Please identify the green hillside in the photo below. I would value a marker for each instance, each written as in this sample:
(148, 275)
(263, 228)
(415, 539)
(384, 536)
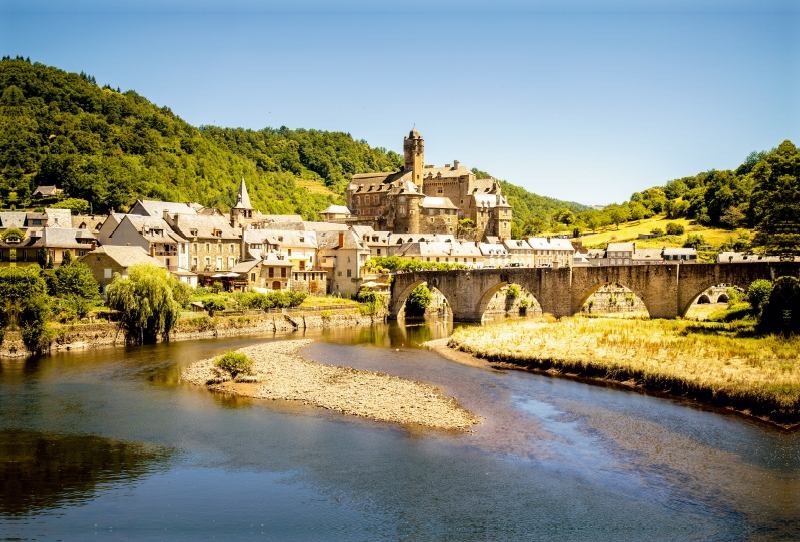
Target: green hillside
(110, 147)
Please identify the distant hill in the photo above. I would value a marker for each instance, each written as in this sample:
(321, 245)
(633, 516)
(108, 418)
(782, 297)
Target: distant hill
(110, 147)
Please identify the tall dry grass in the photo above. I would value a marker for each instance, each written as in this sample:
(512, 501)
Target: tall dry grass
(724, 364)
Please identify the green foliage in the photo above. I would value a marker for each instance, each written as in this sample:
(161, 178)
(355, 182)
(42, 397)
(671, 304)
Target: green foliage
(673, 228)
(146, 302)
(393, 263)
(271, 300)
(32, 320)
(23, 292)
(524, 303)
(12, 235)
(373, 301)
(513, 292)
(658, 232)
(781, 313)
(775, 203)
(533, 213)
(76, 279)
(694, 240)
(418, 300)
(235, 363)
(734, 311)
(214, 304)
(216, 287)
(758, 294)
(77, 205)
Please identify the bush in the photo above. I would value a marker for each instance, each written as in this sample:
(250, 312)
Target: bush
(735, 311)
(781, 313)
(235, 363)
(513, 292)
(694, 241)
(673, 228)
(658, 232)
(214, 304)
(758, 294)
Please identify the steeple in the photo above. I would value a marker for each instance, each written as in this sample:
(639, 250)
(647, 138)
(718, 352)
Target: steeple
(243, 200)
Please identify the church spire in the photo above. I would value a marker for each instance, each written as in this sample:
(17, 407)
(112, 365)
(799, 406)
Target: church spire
(243, 200)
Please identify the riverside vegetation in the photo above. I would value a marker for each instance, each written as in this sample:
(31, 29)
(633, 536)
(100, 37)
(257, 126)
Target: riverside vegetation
(740, 363)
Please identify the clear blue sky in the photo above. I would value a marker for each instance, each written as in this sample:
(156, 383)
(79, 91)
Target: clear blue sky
(585, 101)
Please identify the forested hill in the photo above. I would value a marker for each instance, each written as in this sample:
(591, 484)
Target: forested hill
(110, 147)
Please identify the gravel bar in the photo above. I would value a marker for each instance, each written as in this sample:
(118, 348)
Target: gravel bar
(282, 374)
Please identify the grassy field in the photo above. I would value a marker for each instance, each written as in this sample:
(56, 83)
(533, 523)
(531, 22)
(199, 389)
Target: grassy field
(721, 364)
(630, 231)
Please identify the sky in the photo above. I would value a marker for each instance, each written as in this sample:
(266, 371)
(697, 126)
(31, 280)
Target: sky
(580, 100)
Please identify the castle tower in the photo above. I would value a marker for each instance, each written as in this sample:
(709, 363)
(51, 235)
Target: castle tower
(242, 211)
(414, 151)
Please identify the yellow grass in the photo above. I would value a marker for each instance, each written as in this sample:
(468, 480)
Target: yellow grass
(315, 187)
(716, 363)
(630, 231)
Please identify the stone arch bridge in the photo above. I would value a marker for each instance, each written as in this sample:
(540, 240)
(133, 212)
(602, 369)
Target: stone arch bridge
(666, 290)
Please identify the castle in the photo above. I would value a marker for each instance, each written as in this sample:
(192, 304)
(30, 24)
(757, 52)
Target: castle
(425, 199)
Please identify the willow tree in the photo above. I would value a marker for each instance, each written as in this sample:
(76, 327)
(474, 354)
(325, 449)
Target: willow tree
(147, 302)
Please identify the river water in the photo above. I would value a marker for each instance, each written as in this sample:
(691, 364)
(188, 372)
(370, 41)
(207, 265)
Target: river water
(109, 443)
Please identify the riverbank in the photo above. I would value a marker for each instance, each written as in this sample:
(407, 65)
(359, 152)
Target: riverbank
(708, 362)
(279, 373)
(83, 336)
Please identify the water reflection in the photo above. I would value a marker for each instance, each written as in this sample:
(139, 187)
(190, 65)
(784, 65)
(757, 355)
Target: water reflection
(41, 471)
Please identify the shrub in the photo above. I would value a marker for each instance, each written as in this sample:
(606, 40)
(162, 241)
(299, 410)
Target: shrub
(694, 241)
(214, 304)
(734, 311)
(673, 228)
(758, 294)
(513, 292)
(781, 313)
(658, 232)
(235, 363)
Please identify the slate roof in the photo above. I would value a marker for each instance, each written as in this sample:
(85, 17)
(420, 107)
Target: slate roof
(156, 208)
(282, 238)
(243, 199)
(493, 249)
(13, 219)
(431, 202)
(146, 225)
(621, 247)
(126, 256)
(335, 209)
(439, 249)
(46, 191)
(92, 222)
(329, 240)
(205, 225)
(433, 173)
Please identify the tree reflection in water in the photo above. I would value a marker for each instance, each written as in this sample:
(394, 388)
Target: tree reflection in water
(41, 471)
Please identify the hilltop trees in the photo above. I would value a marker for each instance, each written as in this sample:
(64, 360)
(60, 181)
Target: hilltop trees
(775, 204)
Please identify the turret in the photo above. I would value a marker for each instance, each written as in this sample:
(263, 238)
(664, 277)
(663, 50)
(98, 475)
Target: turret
(414, 152)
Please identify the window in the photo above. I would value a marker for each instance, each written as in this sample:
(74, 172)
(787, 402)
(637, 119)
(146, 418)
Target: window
(402, 210)
(232, 248)
(252, 277)
(106, 273)
(366, 200)
(289, 252)
(349, 272)
(208, 247)
(194, 248)
(283, 272)
(219, 249)
(439, 190)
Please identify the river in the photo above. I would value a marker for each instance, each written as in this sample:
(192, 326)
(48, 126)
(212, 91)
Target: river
(109, 442)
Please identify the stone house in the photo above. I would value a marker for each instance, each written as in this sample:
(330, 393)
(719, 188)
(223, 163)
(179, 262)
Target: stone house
(213, 245)
(377, 241)
(520, 253)
(343, 255)
(152, 233)
(682, 255)
(452, 252)
(495, 255)
(47, 242)
(297, 246)
(272, 272)
(620, 253)
(551, 252)
(105, 261)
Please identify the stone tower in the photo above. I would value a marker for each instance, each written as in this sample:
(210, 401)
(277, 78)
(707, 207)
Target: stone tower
(242, 212)
(414, 151)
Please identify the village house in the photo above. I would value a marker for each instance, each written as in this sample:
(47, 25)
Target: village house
(46, 192)
(451, 252)
(270, 272)
(48, 243)
(151, 233)
(520, 253)
(682, 255)
(213, 245)
(106, 261)
(377, 241)
(551, 252)
(495, 255)
(343, 256)
(620, 253)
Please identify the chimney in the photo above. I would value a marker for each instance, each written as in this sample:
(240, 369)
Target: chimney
(455, 164)
(341, 240)
(447, 165)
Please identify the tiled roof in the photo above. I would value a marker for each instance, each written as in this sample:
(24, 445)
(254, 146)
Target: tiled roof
(205, 226)
(156, 208)
(431, 202)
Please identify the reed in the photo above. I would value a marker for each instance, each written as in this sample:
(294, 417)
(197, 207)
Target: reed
(719, 363)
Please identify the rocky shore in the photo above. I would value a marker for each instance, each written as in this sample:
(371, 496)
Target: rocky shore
(280, 373)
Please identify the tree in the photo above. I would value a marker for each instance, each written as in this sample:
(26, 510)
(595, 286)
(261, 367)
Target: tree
(673, 228)
(77, 205)
(733, 217)
(758, 294)
(775, 202)
(146, 302)
(25, 302)
(694, 240)
(637, 211)
(214, 304)
(418, 300)
(66, 258)
(618, 215)
(76, 279)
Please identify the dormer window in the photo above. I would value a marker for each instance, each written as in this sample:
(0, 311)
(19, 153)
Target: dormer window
(193, 233)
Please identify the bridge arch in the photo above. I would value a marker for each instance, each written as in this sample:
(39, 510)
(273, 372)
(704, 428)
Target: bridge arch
(626, 290)
(486, 299)
(398, 301)
(701, 292)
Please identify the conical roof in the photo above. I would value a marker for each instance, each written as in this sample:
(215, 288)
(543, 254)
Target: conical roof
(243, 200)
(414, 133)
